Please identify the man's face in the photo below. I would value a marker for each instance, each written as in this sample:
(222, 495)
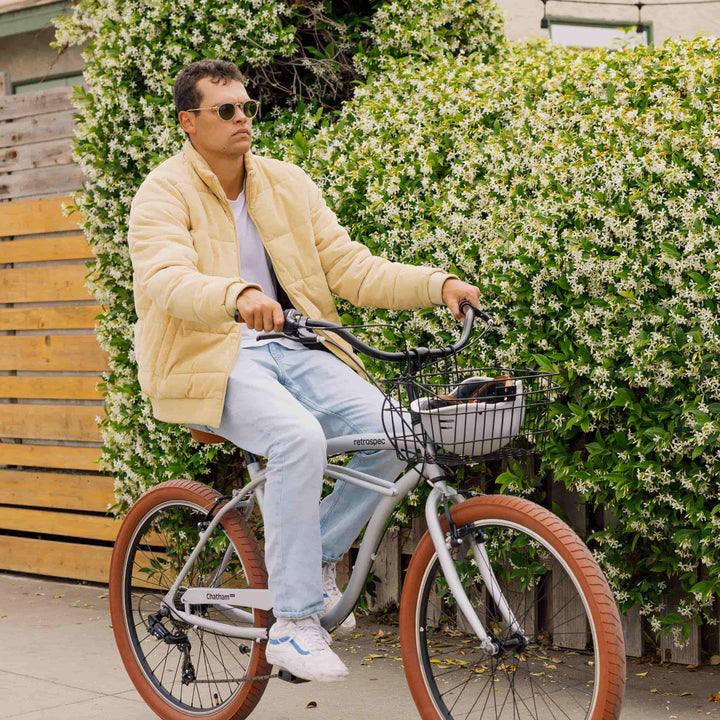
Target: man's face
(207, 130)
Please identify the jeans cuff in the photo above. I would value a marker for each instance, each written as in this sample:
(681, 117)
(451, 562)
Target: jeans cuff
(317, 608)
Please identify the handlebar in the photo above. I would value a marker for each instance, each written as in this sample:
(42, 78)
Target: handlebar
(297, 328)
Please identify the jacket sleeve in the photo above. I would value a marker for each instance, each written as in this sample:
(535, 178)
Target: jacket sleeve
(165, 261)
(364, 279)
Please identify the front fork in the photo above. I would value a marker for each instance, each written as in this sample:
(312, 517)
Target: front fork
(442, 494)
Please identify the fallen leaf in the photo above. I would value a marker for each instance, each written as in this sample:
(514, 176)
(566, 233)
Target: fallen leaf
(311, 704)
(686, 694)
(714, 697)
(641, 674)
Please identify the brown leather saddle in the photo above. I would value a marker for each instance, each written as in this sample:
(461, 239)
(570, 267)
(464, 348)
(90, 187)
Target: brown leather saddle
(206, 437)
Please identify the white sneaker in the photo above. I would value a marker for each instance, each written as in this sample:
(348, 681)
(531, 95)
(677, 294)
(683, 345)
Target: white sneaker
(302, 648)
(332, 595)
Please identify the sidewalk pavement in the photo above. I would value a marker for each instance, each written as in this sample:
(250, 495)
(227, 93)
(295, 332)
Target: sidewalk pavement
(58, 661)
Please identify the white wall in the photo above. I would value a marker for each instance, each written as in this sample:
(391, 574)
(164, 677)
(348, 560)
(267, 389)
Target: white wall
(522, 17)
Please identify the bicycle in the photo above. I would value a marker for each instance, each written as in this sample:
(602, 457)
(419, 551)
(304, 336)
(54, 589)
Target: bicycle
(503, 613)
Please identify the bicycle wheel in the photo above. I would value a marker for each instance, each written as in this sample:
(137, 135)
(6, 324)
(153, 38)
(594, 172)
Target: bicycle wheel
(191, 672)
(571, 661)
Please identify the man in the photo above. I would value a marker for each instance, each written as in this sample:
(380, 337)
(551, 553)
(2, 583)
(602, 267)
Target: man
(220, 241)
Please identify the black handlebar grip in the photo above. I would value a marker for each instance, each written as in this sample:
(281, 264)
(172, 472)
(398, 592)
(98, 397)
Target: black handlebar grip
(477, 311)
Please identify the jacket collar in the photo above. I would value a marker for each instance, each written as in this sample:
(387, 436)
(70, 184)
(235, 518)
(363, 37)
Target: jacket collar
(205, 173)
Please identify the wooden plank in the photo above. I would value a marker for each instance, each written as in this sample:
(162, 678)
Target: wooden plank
(65, 317)
(67, 247)
(51, 100)
(79, 353)
(523, 603)
(40, 181)
(5, 84)
(64, 457)
(387, 569)
(51, 422)
(26, 157)
(58, 559)
(38, 215)
(567, 621)
(62, 491)
(48, 522)
(44, 283)
(690, 653)
(411, 539)
(55, 388)
(433, 615)
(35, 129)
(573, 507)
(632, 631)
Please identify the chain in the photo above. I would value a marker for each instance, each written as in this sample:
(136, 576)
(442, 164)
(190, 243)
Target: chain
(247, 678)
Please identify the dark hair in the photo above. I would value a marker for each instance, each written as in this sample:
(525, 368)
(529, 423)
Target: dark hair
(185, 90)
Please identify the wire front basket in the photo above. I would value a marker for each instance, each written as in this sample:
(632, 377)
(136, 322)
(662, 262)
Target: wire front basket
(460, 415)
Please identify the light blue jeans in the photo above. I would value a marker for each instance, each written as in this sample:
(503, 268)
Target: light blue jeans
(282, 404)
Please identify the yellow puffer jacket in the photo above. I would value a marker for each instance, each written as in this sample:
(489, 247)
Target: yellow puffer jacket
(187, 275)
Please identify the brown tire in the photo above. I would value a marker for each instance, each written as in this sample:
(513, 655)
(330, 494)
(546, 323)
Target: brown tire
(153, 542)
(573, 665)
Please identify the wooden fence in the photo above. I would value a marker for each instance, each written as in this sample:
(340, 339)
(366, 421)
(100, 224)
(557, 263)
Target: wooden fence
(52, 498)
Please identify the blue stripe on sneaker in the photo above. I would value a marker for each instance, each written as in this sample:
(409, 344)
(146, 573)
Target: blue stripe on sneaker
(299, 649)
(280, 640)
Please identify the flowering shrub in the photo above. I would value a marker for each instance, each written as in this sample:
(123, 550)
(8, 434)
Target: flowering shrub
(293, 54)
(580, 192)
(577, 189)
(431, 29)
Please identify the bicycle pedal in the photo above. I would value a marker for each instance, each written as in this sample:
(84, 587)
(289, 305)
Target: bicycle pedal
(287, 676)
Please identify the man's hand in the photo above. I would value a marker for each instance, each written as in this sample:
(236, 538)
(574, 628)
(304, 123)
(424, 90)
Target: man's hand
(454, 291)
(260, 312)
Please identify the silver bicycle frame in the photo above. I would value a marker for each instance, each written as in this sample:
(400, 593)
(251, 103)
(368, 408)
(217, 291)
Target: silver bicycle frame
(392, 494)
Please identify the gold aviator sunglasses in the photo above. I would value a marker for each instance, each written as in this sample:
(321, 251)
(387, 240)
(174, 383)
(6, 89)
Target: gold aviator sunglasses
(227, 111)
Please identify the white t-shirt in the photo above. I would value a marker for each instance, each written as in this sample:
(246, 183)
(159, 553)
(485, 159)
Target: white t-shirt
(254, 266)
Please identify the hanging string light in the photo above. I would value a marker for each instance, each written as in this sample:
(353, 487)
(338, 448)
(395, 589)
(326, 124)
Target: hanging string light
(544, 22)
(640, 26)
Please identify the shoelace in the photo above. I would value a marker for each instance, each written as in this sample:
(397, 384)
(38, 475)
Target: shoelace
(329, 582)
(313, 636)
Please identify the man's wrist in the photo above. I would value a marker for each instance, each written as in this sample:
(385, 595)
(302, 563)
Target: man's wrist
(446, 279)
